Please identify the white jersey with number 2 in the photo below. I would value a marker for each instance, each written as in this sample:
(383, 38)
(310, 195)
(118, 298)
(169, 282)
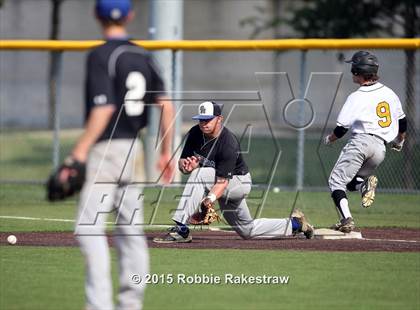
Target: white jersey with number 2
(373, 109)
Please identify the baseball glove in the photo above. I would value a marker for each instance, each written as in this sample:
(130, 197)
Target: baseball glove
(206, 214)
(67, 180)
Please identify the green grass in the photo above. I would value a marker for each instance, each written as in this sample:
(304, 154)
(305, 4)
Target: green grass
(389, 210)
(41, 278)
(52, 278)
(28, 156)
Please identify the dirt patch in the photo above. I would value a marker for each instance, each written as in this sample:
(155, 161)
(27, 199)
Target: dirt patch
(376, 239)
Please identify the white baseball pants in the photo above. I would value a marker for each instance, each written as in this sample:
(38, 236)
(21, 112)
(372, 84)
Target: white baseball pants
(232, 204)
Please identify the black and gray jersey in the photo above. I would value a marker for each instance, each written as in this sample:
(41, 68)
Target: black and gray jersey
(222, 153)
(122, 74)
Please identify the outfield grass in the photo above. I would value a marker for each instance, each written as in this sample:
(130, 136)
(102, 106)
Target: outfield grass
(390, 210)
(52, 278)
(28, 156)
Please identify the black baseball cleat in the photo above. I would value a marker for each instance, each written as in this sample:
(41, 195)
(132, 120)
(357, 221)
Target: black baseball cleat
(174, 236)
(345, 225)
(306, 228)
(368, 191)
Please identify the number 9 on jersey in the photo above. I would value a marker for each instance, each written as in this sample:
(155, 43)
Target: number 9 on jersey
(384, 113)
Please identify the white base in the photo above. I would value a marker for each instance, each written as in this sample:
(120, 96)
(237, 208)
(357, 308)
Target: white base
(325, 233)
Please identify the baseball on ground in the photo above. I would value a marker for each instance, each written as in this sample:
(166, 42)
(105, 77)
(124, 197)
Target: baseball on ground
(12, 239)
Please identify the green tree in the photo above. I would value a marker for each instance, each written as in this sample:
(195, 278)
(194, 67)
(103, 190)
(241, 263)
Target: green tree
(349, 19)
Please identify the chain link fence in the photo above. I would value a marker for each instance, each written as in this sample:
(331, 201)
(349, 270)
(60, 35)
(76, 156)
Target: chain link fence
(280, 104)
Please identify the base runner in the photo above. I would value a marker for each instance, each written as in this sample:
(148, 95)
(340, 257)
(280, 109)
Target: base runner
(375, 117)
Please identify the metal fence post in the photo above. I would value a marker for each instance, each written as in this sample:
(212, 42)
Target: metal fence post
(300, 164)
(56, 85)
(165, 24)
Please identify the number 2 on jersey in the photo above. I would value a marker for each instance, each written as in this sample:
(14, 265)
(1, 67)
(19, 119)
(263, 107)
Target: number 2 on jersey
(133, 99)
(384, 113)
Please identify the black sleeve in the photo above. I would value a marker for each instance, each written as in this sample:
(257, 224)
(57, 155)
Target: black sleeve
(402, 125)
(158, 86)
(188, 149)
(99, 86)
(340, 131)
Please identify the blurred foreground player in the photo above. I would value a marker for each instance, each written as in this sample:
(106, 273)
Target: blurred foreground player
(120, 81)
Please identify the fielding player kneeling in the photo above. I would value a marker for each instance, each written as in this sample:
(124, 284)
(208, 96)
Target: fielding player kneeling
(212, 156)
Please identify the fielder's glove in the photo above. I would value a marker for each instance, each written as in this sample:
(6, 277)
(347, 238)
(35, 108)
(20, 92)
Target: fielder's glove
(206, 214)
(397, 144)
(67, 180)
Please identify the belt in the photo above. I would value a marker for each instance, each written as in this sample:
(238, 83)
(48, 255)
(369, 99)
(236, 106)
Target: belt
(370, 134)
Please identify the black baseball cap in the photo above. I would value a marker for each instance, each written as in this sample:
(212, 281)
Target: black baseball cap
(208, 110)
(112, 9)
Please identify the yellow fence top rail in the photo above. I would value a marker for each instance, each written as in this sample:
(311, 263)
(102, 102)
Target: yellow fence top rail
(226, 45)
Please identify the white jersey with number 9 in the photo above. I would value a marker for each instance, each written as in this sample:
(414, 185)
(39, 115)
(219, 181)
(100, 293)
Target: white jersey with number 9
(373, 109)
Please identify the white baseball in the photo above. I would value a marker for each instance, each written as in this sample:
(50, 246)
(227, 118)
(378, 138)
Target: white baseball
(276, 190)
(12, 239)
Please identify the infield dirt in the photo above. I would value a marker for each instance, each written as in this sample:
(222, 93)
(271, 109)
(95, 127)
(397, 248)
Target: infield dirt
(375, 239)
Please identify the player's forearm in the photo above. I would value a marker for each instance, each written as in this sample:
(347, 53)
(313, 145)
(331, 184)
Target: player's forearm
(338, 132)
(402, 130)
(95, 126)
(401, 136)
(219, 187)
(167, 130)
(402, 126)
